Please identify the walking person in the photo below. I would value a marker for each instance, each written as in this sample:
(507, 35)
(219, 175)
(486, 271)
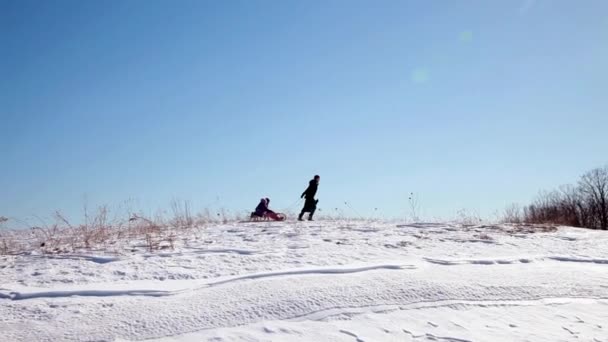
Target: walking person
(310, 204)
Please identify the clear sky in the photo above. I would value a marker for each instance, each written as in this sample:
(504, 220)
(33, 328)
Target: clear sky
(470, 104)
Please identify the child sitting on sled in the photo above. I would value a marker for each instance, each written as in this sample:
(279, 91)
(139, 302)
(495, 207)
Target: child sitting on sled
(262, 211)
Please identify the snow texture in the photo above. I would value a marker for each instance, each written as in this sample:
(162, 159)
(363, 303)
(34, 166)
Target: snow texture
(328, 281)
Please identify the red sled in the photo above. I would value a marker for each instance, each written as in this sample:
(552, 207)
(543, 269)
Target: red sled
(269, 216)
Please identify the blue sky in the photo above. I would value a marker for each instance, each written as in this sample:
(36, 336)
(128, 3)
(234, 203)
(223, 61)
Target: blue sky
(470, 104)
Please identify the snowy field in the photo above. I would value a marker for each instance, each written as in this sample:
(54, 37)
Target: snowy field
(322, 281)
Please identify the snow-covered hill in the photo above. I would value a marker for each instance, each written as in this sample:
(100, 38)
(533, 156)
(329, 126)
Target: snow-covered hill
(321, 281)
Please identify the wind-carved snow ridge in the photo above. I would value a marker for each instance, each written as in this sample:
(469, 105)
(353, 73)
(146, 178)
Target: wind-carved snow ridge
(160, 293)
(91, 258)
(456, 304)
(84, 293)
(579, 259)
(315, 271)
(422, 225)
(328, 281)
(192, 251)
(504, 261)
(448, 262)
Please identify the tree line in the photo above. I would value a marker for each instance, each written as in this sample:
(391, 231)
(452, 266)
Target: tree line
(584, 204)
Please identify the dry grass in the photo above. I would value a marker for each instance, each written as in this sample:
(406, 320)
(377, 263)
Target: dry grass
(4, 239)
(512, 214)
(521, 228)
(528, 228)
(483, 236)
(99, 231)
(468, 218)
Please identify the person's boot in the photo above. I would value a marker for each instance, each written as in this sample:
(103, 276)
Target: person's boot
(300, 216)
(312, 212)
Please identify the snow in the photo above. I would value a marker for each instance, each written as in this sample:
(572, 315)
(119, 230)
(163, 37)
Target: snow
(322, 281)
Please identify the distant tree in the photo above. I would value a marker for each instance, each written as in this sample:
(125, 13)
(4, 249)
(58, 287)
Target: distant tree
(594, 185)
(570, 202)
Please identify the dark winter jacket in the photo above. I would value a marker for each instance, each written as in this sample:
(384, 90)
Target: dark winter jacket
(262, 208)
(311, 191)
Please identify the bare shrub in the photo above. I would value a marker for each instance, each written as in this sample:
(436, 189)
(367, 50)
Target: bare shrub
(182, 218)
(154, 231)
(203, 218)
(48, 238)
(4, 243)
(414, 207)
(581, 205)
(512, 214)
(223, 215)
(467, 218)
(4, 238)
(96, 230)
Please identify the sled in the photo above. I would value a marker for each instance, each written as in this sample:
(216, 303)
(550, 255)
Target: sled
(265, 217)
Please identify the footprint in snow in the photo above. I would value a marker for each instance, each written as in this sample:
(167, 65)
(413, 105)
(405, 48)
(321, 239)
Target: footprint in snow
(268, 330)
(570, 331)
